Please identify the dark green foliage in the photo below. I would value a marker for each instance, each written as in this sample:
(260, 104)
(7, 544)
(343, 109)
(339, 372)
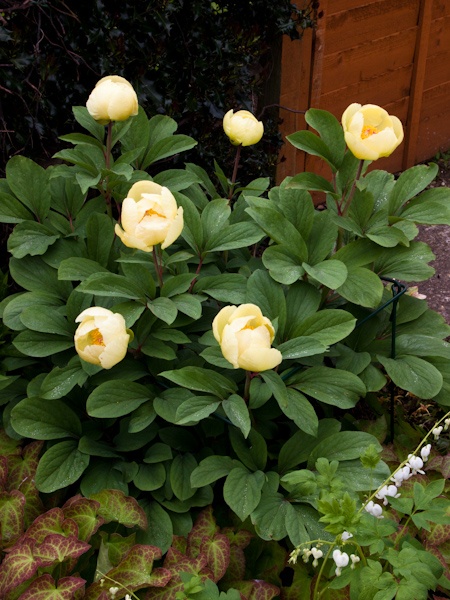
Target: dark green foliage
(190, 59)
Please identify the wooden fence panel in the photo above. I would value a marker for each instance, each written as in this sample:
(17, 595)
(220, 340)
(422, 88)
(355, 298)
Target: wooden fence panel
(394, 54)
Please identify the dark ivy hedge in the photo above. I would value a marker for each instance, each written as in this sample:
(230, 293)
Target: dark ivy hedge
(190, 59)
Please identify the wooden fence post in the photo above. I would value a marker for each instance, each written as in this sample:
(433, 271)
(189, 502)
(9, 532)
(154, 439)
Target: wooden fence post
(417, 84)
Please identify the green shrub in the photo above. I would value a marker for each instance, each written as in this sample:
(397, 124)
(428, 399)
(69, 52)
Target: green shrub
(242, 341)
(190, 60)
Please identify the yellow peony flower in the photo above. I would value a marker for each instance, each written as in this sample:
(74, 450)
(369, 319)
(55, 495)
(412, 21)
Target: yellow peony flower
(150, 216)
(101, 337)
(112, 99)
(370, 132)
(242, 128)
(245, 337)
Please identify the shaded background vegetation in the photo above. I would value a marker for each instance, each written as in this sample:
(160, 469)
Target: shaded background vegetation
(190, 59)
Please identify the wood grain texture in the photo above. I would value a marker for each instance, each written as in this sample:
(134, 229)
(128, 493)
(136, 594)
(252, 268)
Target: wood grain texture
(392, 53)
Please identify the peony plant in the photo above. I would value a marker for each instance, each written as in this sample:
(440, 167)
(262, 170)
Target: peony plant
(192, 340)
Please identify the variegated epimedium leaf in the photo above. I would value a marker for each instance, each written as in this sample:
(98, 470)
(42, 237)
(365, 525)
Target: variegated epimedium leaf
(45, 588)
(84, 511)
(18, 566)
(58, 548)
(115, 506)
(12, 505)
(217, 552)
(133, 572)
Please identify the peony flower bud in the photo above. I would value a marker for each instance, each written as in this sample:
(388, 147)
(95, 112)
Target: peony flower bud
(370, 132)
(242, 128)
(101, 337)
(245, 337)
(150, 216)
(112, 99)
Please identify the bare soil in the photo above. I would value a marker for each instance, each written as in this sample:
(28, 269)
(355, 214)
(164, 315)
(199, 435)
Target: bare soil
(437, 289)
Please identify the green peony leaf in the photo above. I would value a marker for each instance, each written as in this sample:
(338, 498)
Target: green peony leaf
(362, 287)
(301, 411)
(432, 207)
(332, 386)
(61, 380)
(37, 344)
(326, 326)
(30, 183)
(413, 374)
(60, 466)
(201, 380)
(409, 184)
(116, 398)
(284, 267)
(45, 420)
(211, 469)
(342, 446)
(330, 273)
(242, 491)
(110, 284)
(180, 476)
(231, 237)
(12, 210)
(236, 410)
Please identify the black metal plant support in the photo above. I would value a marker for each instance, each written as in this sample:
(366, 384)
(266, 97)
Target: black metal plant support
(398, 289)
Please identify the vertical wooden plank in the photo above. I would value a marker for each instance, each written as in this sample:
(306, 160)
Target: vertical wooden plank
(417, 84)
(296, 62)
(317, 68)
